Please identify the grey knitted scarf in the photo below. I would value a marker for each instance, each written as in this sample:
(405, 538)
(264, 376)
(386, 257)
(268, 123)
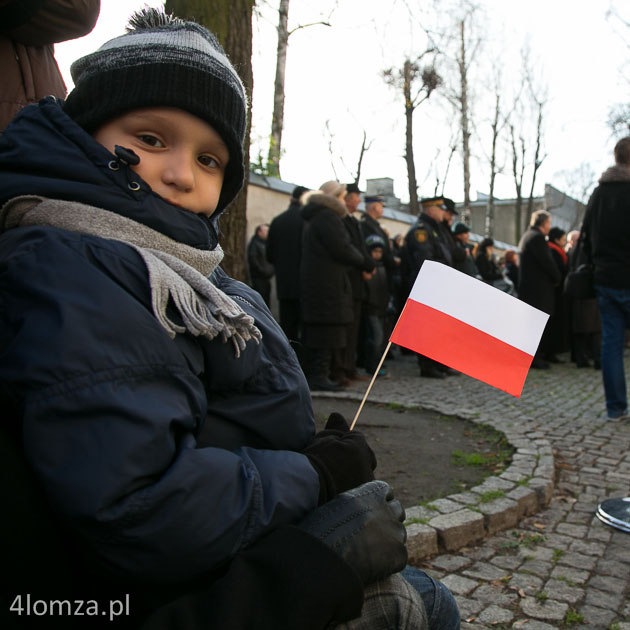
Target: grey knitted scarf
(176, 271)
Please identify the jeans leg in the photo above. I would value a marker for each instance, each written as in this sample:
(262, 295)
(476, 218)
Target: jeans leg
(439, 602)
(614, 309)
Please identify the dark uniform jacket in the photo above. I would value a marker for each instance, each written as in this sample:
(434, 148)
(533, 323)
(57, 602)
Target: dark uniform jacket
(607, 228)
(538, 274)
(165, 459)
(423, 242)
(284, 251)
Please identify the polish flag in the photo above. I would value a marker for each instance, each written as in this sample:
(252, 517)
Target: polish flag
(470, 326)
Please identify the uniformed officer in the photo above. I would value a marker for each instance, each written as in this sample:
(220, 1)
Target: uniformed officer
(424, 241)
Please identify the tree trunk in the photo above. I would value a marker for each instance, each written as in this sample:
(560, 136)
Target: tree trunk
(277, 120)
(231, 22)
(414, 206)
(518, 184)
(493, 167)
(537, 160)
(463, 71)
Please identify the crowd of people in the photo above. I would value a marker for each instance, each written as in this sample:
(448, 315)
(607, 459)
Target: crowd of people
(342, 281)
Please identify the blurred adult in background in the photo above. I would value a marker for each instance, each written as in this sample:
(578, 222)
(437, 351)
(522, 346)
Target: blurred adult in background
(585, 328)
(557, 327)
(374, 208)
(463, 260)
(486, 263)
(423, 242)
(284, 251)
(511, 268)
(344, 367)
(446, 233)
(260, 269)
(607, 244)
(538, 276)
(28, 30)
(326, 294)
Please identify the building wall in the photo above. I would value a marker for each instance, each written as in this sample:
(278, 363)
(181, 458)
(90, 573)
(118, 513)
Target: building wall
(264, 203)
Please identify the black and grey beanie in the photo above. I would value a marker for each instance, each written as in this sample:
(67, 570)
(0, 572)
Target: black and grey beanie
(164, 62)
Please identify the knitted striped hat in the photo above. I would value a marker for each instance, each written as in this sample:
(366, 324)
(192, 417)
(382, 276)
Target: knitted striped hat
(164, 61)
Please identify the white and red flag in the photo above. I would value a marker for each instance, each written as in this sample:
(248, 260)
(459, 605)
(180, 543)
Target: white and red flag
(470, 326)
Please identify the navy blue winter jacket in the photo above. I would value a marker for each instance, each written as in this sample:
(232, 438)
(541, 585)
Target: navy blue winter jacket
(165, 456)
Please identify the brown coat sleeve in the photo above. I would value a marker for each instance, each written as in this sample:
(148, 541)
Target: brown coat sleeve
(56, 21)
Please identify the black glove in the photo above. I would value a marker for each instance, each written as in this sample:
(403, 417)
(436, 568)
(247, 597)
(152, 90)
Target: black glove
(342, 458)
(365, 527)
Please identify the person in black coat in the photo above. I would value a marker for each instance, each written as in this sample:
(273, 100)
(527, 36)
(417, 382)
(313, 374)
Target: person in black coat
(344, 367)
(486, 264)
(284, 250)
(424, 242)
(511, 268)
(538, 274)
(464, 259)
(557, 327)
(326, 292)
(585, 327)
(607, 245)
(260, 269)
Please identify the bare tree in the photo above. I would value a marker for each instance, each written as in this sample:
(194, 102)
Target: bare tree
(518, 172)
(496, 128)
(417, 83)
(277, 119)
(527, 122)
(231, 21)
(463, 100)
(365, 147)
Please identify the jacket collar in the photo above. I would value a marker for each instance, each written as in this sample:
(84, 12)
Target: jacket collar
(317, 199)
(617, 173)
(44, 152)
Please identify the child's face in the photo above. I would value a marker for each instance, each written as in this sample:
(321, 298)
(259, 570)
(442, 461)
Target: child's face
(377, 253)
(182, 157)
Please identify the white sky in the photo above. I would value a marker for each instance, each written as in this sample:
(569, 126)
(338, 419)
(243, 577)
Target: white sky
(333, 74)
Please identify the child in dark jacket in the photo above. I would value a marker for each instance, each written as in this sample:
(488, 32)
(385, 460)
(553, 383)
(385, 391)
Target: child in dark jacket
(375, 306)
(157, 405)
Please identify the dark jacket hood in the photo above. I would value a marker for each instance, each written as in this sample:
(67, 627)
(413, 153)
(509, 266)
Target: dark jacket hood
(44, 152)
(316, 200)
(616, 173)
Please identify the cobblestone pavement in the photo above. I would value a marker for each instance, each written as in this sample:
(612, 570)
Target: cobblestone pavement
(560, 567)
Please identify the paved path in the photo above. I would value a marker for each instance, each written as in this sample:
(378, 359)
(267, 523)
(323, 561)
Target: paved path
(560, 567)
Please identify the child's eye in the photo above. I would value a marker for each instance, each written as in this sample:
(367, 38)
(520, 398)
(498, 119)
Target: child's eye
(151, 140)
(206, 160)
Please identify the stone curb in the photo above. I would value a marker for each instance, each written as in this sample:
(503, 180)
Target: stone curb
(499, 503)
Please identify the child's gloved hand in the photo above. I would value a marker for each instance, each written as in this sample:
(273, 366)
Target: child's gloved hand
(342, 458)
(365, 527)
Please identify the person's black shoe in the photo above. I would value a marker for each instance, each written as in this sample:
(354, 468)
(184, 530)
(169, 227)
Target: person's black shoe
(432, 373)
(539, 364)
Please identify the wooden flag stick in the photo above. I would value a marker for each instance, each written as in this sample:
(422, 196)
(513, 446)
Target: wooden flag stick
(370, 385)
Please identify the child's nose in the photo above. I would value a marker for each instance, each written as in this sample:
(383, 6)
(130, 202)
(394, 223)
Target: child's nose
(179, 172)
